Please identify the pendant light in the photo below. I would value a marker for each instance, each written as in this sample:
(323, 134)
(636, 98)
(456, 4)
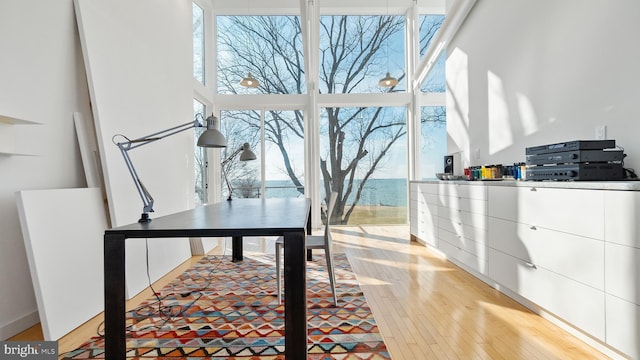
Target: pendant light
(249, 81)
(388, 80)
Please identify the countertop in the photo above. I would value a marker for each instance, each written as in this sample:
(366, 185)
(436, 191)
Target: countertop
(626, 185)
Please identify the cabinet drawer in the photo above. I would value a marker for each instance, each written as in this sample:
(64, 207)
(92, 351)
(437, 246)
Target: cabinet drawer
(428, 199)
(456, 203)
(461, 217)
(428, 188)
(622, 272)
(424, 221)
(464, 231)
(576, 257)
(575, 211)
(413, 218)
(621, 211)
(462, 243)
(427, 230)
(578, 304)
(413, 227)
(478, 192)
(623, 326)
(460, 256)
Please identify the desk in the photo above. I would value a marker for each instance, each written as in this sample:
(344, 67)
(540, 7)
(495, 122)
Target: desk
(241, 217)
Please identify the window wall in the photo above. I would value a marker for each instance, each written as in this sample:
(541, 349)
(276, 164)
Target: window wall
(357, 51)
(284, 154)
(198, 43)
(200, 157)
(307, 120)
(433, 116)
(433, 140)
(267, 47)
(240, 179)
(279, 168)
(363, 156)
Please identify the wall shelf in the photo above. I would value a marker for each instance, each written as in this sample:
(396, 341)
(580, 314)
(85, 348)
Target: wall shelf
(8, 135)
(15, 121)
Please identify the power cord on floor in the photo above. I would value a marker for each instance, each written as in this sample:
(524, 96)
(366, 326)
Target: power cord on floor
(167, 312)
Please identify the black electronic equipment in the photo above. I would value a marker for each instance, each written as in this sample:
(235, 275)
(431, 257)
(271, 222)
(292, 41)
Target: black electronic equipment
(579, 160)
(571, 146)
(448, 164)
(576, 156)
(577, 171)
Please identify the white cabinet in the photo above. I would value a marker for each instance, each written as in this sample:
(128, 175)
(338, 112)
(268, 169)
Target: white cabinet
(575, 257)
(622, 270)
(539, 251)
(623, 326)
(574, 252)
(462, 224)
(423, 213)
(621, 213)
(576, 303)
(576, 211)
(622, 284)
(622, 273)
(413, 208)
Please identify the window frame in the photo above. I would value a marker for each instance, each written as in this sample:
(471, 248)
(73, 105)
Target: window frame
(311, 102)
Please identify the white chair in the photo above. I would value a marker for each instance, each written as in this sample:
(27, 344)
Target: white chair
(314, 242)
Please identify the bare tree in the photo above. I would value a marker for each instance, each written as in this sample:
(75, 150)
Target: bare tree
(431, 119)
(354, 50)
(429, 26)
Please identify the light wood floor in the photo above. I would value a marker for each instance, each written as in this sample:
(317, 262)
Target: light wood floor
(426, 307)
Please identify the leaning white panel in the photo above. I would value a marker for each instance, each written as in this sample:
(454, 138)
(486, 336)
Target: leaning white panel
(63, 234)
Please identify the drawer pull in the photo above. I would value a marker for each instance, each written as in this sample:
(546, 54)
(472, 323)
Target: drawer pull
(531, 265)
(533, 228)
(534, 189)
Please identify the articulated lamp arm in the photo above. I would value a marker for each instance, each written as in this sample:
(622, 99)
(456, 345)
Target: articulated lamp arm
(247, 154)
(210, 138)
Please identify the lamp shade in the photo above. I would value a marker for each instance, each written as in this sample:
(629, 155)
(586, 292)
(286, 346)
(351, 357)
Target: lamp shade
(212, 137)
(249, 81)
(247, 154)
(388, 81)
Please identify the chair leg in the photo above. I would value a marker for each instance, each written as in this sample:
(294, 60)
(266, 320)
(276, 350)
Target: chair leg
(332, 277)
(278, 275)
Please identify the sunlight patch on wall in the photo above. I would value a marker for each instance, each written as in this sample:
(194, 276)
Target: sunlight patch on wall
(500, 133)
(528, 116)
(457, 69)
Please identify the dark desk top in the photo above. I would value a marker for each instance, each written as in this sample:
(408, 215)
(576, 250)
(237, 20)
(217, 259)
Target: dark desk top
(239, 217)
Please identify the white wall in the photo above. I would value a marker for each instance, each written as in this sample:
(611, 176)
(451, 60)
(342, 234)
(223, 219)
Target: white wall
(42, 80)
(534, 72)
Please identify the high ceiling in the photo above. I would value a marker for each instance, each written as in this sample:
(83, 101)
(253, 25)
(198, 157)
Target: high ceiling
(360, 7)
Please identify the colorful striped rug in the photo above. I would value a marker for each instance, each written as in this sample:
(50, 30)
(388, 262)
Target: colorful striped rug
(224, 310)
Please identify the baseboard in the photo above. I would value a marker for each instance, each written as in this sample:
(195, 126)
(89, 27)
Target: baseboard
(19, 325)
